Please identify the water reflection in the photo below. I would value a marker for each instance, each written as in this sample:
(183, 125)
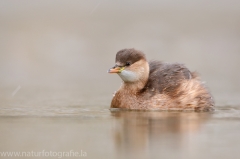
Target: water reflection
(147, 133)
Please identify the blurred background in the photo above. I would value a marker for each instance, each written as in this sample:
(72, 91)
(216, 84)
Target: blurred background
(55, 91)
(71, 44)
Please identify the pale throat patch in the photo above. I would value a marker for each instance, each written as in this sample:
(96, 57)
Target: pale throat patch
(128, 76)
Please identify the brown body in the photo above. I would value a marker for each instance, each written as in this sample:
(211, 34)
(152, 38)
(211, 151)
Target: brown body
(157, 85)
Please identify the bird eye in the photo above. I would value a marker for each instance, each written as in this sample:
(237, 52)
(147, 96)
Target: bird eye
(128, 64)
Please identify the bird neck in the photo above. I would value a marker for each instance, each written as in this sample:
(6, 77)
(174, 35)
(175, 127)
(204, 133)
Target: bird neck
(132, 88)
(135, 87)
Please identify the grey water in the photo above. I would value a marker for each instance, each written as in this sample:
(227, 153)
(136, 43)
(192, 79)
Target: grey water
(55, 92)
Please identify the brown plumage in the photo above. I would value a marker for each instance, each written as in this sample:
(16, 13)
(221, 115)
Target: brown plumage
(157, 85)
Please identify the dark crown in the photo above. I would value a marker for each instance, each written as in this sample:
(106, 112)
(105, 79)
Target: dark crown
(129, 56)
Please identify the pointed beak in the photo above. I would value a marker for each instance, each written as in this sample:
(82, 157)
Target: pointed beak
(116, 69)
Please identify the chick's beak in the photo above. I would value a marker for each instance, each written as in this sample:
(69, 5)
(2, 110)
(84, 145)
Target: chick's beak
(116, 69)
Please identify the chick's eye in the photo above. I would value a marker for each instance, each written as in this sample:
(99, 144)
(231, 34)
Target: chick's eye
(128, 64)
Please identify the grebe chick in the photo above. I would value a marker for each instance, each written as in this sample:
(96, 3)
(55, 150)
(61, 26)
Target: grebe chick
(157, 85)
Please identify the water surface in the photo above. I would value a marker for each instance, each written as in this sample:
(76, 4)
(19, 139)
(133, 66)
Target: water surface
(54, 120)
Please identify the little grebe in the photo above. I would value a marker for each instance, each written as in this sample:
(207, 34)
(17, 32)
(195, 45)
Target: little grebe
(157, 85)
